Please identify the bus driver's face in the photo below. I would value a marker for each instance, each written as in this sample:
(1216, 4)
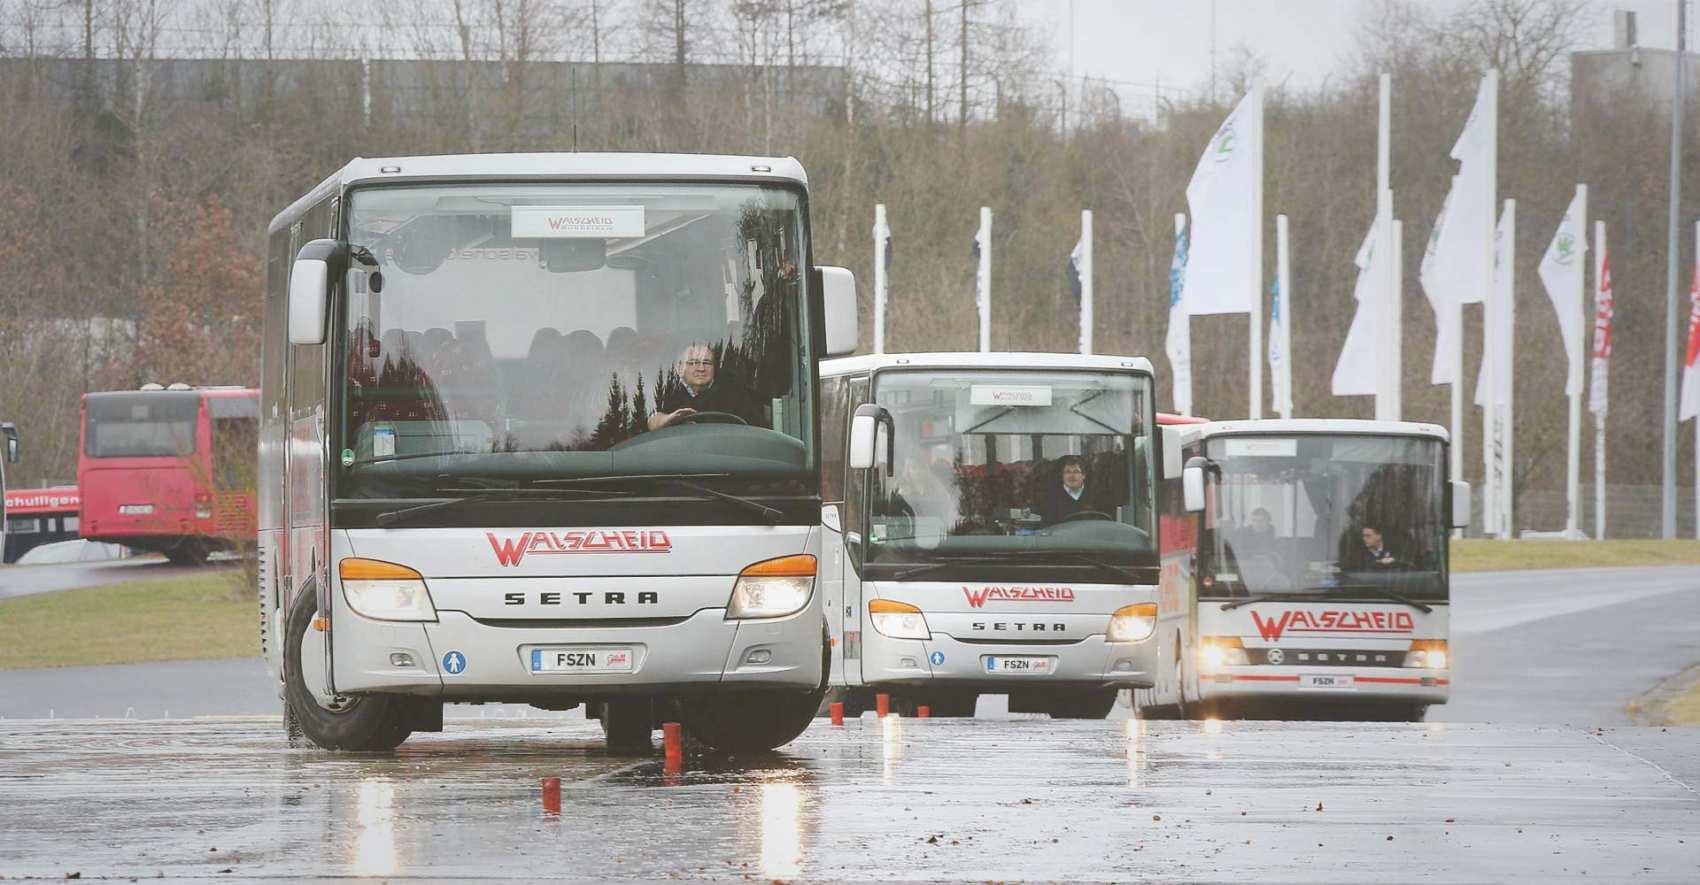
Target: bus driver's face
(1372, 539)
(696, 366)
(1073, 477)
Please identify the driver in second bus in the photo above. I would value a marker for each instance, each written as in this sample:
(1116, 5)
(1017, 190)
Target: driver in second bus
(1073, 495)
(695, 388)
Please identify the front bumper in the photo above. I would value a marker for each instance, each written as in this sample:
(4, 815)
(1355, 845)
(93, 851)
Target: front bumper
(1365, 684)
(700, 653)
(944, 661)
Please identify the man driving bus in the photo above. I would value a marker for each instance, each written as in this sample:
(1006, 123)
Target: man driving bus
(698, 390)
(1073, 495)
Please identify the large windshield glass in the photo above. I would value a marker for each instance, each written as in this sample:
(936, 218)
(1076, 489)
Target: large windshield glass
(146, 424)
(1298, 514)
(1003, 465)
(571, 331)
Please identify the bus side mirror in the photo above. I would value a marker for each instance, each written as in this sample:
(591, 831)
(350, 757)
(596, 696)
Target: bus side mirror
(866, 439)
(1192, 485)
(1460, 504)
(838, 299)
(11, 434)
(309, 289)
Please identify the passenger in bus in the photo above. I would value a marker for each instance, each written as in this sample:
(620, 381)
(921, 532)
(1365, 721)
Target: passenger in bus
(1071, 496)
(696, 387)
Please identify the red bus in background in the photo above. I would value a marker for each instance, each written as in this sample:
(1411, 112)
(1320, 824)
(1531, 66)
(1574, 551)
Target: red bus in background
(38, 516)
(169, 470)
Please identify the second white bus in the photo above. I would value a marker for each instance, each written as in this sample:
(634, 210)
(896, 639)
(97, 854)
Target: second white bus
(957, 560)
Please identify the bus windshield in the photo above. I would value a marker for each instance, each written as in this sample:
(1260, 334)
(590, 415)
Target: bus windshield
(143, 424)
(1313, 514)
(519, 333)
(1003, 465)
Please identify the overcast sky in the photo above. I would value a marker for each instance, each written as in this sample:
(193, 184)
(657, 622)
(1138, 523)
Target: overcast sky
(1147, 43)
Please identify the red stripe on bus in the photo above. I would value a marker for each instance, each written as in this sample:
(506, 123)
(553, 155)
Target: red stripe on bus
(1240, 678)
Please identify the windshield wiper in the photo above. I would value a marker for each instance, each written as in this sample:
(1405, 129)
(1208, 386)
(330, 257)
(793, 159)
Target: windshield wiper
(1271, 597)
(377, 459)
(771, 515)
(1128, 573)
(946, 562)
(1382, 592)
(486, 495)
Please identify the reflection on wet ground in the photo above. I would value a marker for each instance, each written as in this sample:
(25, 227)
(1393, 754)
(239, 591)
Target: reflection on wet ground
(877, 799)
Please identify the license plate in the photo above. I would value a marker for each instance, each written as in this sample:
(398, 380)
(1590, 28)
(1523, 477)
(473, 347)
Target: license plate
(581, 660)
(135, 509)
(1000, 664)
(1320, 680)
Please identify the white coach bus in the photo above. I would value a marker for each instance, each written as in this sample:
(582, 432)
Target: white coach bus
(990, 528)
(542, 429)
(1305, 569)
(8, 454)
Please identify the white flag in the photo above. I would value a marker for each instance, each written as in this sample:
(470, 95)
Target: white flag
(1354, 374)
(1461, 268)
(1690, 405)
(1604, 310)
(1442, 300)
(1493, 336)
(1280, 371)
(1220, 276)
(1562, 274)
(1178, 343)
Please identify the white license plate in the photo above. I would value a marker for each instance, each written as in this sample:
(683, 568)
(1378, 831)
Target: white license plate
(1000, 664)
(1328, 680)
(135, 509)
(581, 660)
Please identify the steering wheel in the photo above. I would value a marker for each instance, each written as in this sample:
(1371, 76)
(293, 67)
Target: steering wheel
(709, 417)
(1079, 515)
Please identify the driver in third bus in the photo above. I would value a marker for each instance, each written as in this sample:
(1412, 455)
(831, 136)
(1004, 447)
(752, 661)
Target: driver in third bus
(698, 390)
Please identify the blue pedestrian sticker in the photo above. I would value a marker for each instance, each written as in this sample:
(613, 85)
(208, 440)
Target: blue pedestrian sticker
(937, 658)
(454, 662)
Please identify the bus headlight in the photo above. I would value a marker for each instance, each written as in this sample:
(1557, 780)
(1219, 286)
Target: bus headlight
(773, 588)
(384, 591)
(1133, 623)
(1427, 653)
(1216, 652)
(898, 620)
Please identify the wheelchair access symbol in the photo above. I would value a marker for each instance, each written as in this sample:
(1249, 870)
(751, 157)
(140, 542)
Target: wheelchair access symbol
(937, 658)
(454, 662)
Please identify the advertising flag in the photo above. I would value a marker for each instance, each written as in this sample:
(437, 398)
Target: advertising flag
(1178, 343)
(1071, 269)
(1221, 276)
(1598, 386)
(1562, 274)
(1354, 374)
(1460, 270)
(1690, 405)
(1441, 299)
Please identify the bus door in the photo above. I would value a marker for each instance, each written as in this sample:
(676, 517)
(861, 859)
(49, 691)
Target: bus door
(842, 550)
(306, 543)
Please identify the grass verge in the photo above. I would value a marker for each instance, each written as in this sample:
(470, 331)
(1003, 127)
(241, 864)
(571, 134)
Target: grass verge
(1480, 555)
(170, 619)
(1675, 701)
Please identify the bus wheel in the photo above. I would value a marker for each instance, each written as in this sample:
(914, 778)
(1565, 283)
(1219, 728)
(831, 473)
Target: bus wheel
(628, 725)
(367, 722)
(188, 553)
(749, 721)
(952, 704)
(1090, 705)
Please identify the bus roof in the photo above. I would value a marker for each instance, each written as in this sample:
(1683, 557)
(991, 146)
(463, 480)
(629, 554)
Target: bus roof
(1188, 432)
(551, 166)
(977, 360)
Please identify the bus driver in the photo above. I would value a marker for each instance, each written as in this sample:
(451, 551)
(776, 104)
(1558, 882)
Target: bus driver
(697, 391)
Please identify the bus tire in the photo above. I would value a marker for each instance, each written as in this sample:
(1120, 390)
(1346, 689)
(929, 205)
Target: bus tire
(188, 553)
(628, 726)
(1089, 705)
(748, 722)
(367, 722)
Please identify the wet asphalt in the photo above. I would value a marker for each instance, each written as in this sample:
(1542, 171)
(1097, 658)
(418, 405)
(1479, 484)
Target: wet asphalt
(932, 799)
(26, 580)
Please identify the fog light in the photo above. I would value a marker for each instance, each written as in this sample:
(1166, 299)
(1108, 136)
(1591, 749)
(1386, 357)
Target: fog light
(401, 659)
(758, 656)
(910, 663)
(1124, 665)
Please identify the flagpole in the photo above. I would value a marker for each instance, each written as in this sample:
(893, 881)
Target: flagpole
(1178, 338)
(1284, 332)
(1696, 295)
(1085, 272)
(1573, 462)
(1508, 343)
(1255, 410)
(1394, 356)
(1672, 354)
(1490, 436)
(880, 234)
(1386, 398)
(983, 279)
(1599, 418)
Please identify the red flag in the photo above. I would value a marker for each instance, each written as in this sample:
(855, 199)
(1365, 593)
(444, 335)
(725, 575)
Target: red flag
(1691, 371)
(1604, 308)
